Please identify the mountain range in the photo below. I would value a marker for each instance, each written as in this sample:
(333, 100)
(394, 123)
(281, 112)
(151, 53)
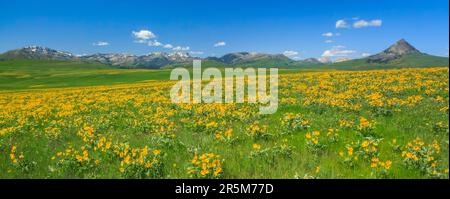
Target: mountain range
(400, 54)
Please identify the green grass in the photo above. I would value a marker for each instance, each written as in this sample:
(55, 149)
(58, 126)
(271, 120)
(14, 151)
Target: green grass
(39, 74)
(407, 61)
(263, 63)
(403, 126)
(117, 120)
(32, 74)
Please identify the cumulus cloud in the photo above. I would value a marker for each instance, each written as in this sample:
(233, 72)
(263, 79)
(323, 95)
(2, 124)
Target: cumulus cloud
(364, 23)
(342, 59)
(101, 43)
(154, 43)
(168, 46)
(338, 51)
(328, 34)
(339, 47)
(180, 48)
(143, 34)
(220, 43)
(365, 54)
(147, 37)
(290, 53)
(341, 24)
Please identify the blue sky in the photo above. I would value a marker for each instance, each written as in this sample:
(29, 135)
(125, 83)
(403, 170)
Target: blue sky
(300, 29)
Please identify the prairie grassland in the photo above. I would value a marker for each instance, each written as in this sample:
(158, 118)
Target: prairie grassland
(337, 124)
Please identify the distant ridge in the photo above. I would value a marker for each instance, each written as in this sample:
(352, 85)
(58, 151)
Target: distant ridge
(400, 48)
(400, 54)
(153, 60)
(37, 53)
(157, 60)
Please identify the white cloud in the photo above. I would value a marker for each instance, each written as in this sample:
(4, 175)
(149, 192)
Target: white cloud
(328, 34)
(360, 24)
(365, 54)
(143, 35)
(324, 59)
(338, 51)
(196, 52)
(338, 47)
(220, 43)
(168, 46)
(290, 53)
(341, 24)
(328, 41)
(179, 48)
(376, 22)
(101, 43)
(364, 23)
(341, 59)
(154, 43)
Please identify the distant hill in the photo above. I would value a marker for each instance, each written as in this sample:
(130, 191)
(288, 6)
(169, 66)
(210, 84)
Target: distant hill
(400, 54)
(37, 53)
(151, 61)
(312, 61)
(250, 59)
(158, 60)
(246, 57)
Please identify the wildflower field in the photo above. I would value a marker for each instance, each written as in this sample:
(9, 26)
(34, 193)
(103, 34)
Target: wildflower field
(329, 124)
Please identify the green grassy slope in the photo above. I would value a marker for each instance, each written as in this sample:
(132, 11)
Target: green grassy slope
(268, 63)
(31, 74)
(205, 64)
(263, 63)
(407, 61)
(38, 74)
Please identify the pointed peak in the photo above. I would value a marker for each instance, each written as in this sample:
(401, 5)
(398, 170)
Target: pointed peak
(402, 47)
(402, 41)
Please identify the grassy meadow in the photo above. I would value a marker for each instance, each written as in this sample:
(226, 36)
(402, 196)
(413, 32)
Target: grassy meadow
(79, 120)
(31, 74)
